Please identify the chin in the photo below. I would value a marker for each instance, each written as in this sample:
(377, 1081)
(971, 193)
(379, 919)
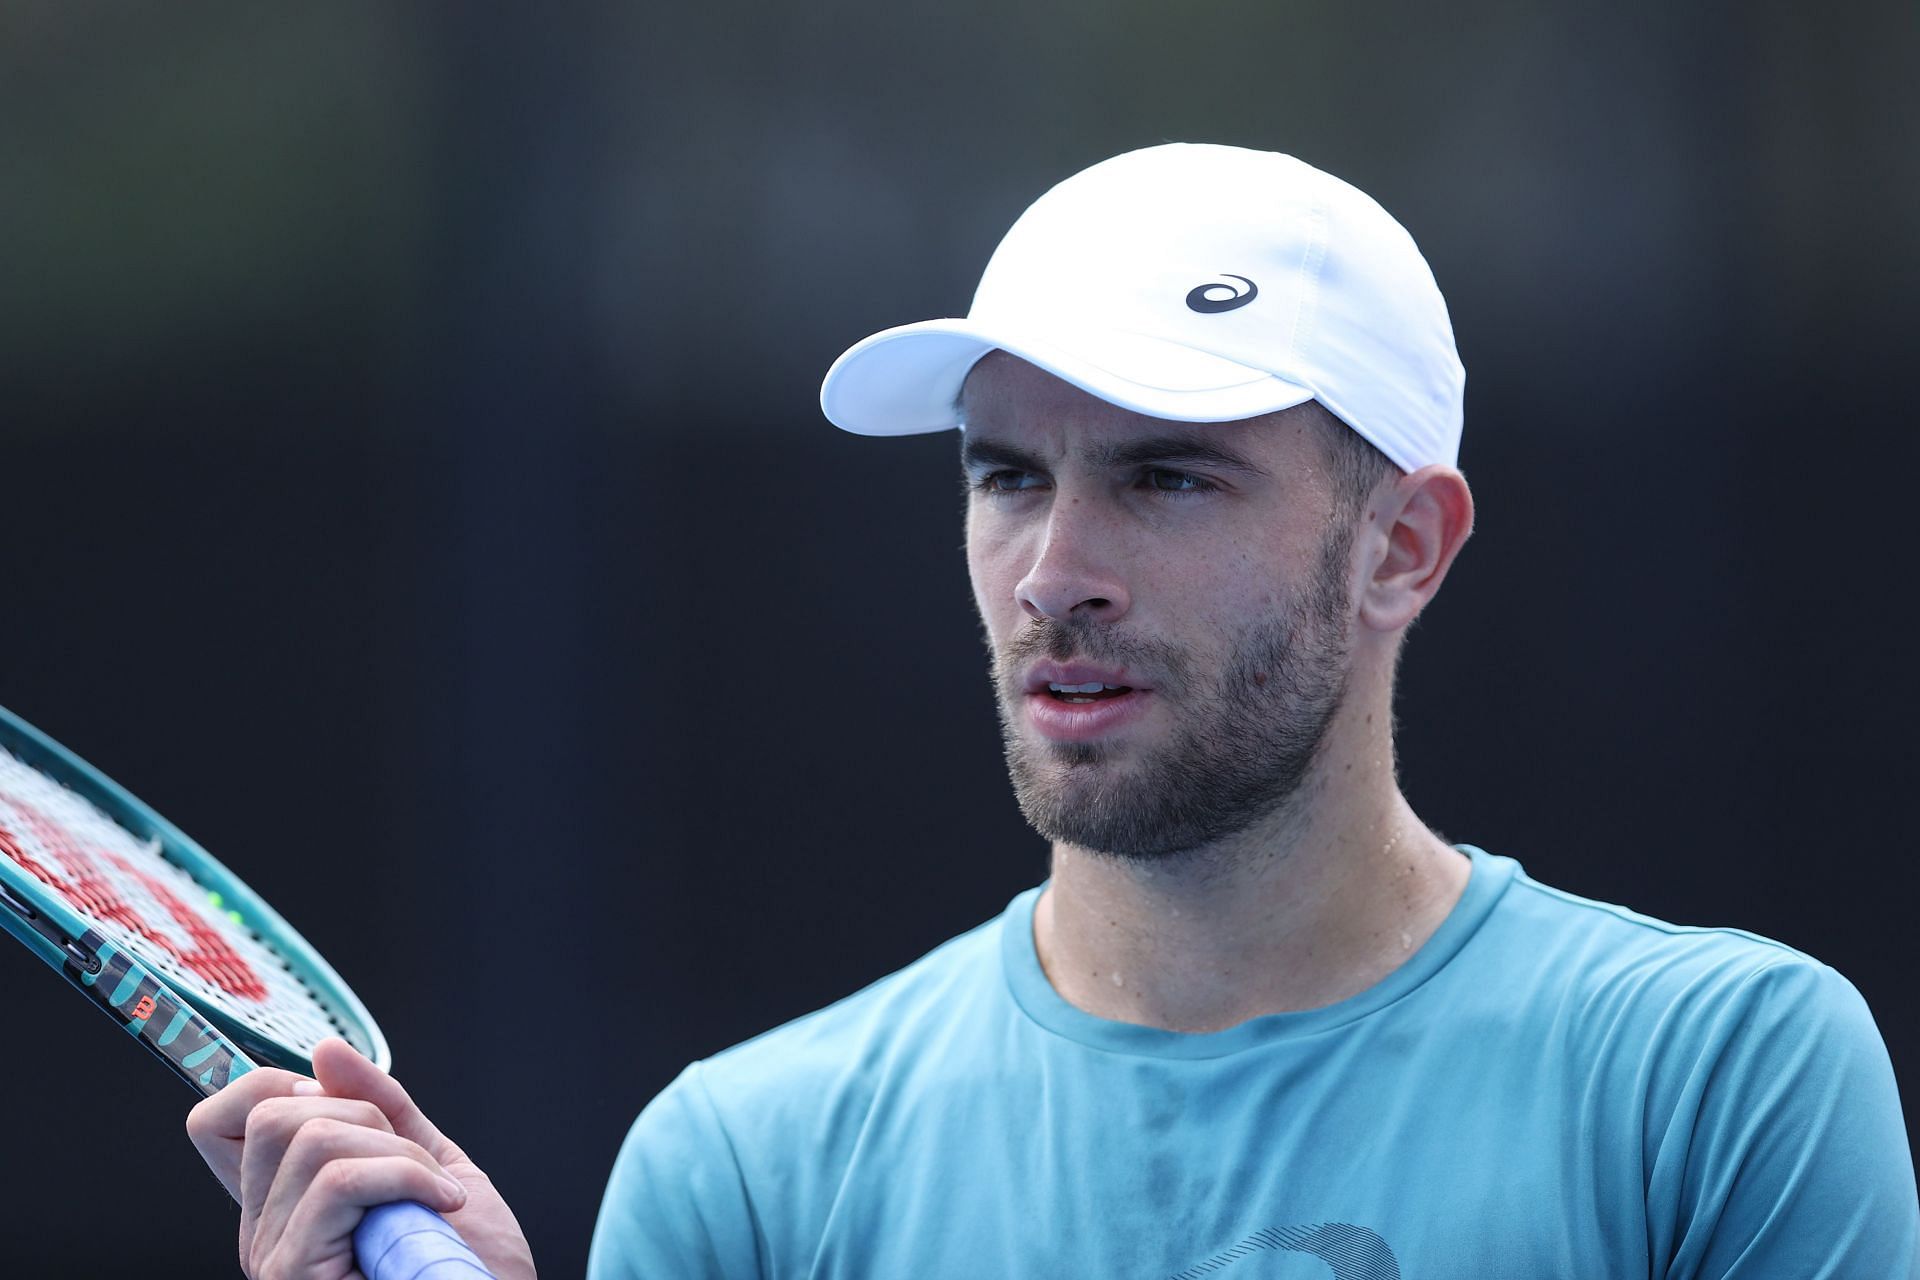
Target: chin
(1075, 796)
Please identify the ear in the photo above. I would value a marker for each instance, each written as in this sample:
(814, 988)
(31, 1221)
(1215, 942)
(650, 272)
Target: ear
(1412, 533)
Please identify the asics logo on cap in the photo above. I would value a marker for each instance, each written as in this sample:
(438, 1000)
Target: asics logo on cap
(1202, 297)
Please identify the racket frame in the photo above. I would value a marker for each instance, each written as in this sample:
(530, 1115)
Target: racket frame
(199, 1042)
(114, 978)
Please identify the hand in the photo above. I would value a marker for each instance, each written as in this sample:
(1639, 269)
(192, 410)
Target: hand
(305, 1158)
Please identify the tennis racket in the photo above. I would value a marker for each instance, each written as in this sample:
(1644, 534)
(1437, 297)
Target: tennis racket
(183, 956)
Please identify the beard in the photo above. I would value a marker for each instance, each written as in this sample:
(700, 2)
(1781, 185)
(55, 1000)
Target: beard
(1246, 738)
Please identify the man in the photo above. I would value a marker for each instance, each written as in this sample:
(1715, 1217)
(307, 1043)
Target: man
(1259, 1020)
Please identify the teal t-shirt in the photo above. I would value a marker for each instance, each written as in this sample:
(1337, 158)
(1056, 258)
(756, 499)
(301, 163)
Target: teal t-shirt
(1549, 1088)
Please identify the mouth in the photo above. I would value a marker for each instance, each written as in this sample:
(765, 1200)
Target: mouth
(1077, 681)
(1077, 702)
(1090, 691)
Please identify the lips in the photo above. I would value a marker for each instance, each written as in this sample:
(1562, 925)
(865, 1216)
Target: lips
(1082, 702)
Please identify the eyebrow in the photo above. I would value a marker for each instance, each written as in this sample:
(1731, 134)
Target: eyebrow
(1176, 447)
(976, 454)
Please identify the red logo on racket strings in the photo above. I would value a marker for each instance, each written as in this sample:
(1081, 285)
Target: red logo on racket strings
(208, 957)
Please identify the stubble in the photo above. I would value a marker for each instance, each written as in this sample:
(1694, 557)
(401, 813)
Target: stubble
(1246, 735)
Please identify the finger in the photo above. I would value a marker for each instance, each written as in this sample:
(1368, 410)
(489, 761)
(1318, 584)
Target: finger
(272, 1127)
(344, 1073)
(217, 1126)
(322, 1142)
(318, 1236)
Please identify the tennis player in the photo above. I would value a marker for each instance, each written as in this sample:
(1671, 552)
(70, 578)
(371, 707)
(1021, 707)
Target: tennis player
(1260, 1020)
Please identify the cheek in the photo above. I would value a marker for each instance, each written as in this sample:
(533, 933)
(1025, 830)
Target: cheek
(1222, 591)
(995, 568)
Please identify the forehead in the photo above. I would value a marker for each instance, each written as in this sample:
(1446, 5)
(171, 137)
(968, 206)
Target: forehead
(1008, 401)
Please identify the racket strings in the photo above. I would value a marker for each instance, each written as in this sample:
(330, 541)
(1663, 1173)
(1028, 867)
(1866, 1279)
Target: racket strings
(128, 890)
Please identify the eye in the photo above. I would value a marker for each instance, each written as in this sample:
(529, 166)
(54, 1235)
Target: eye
(1008, 480)
(1164, 481)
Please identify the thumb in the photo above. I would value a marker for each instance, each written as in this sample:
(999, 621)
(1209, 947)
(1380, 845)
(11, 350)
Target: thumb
(345, 1073)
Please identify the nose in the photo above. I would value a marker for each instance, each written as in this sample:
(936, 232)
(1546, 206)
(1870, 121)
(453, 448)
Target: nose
(1076, 574)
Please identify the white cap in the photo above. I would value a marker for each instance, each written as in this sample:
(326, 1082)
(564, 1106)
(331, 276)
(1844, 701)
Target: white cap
(1194, 282)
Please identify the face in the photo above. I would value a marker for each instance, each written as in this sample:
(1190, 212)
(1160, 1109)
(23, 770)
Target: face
(1166, 604)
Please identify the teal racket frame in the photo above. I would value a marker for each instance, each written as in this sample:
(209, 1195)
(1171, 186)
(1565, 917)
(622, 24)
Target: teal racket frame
(200, 1042)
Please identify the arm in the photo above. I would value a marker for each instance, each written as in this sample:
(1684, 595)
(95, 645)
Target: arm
(305, 1158)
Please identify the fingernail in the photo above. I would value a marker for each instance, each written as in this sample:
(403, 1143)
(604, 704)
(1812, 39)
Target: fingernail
(307, 1087)
(455, 1192)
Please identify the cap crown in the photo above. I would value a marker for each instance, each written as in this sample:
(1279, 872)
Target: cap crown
(1255, 258)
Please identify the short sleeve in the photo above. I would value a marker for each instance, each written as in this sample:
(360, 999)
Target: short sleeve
(1793, 1153)
(675, 1205)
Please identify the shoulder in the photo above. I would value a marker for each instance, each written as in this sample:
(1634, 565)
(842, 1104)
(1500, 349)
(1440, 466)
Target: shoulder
(1605, 958)
(1654, 1012)
(1769, 1125)
(873, 1025)
(724, 1134)
(1700, 999)
(815, 1078)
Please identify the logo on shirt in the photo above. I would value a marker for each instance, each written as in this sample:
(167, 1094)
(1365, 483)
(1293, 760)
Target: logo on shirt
(1207, 301)
(1354, 1253)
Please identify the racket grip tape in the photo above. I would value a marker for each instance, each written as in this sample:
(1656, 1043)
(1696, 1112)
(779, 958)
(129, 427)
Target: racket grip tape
(406, 1240)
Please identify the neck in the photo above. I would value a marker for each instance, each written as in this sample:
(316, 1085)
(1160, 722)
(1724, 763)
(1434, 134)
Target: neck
(1314, 904)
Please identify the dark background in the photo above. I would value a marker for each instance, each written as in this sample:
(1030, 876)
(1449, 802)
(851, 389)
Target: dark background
(413, 485)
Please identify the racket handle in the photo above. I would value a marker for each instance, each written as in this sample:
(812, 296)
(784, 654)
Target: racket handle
(406, 1240)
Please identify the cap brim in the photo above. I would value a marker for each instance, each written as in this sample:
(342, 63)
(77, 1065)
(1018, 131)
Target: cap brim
(907, 380)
